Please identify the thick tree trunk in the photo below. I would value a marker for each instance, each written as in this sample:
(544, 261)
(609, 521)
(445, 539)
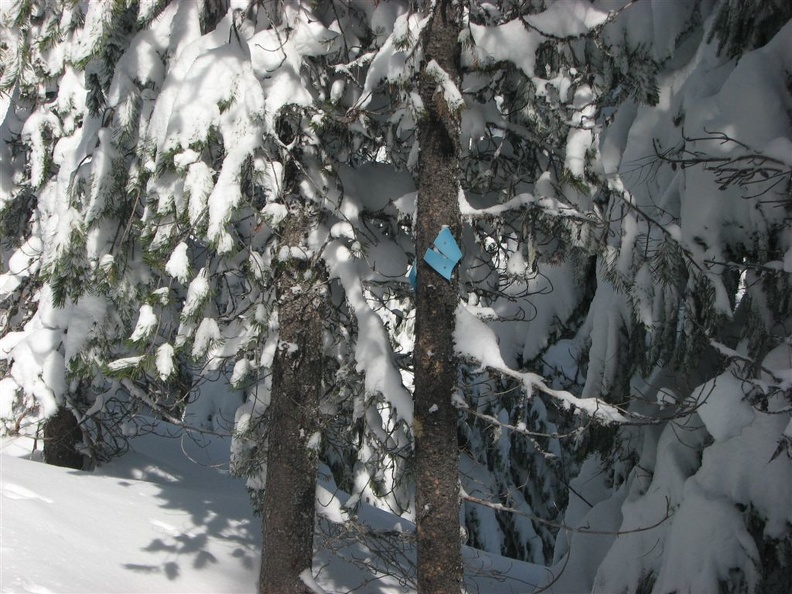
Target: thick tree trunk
(61, 435)
(436, 453)
(288, 514)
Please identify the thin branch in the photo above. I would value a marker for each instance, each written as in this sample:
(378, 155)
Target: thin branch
(519, 512)
(522, 430)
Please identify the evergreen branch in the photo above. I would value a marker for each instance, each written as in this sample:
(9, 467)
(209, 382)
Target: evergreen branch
(592, 32)
(630, 204)
(522, 430)
(165, 414)
(732, 355)
(746, 266)
(594, 407)
(527, 202)
(513, 510)
(740, 170)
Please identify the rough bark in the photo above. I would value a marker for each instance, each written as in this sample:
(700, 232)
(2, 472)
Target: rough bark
(436, 453)
(61, 435)
(288, 514)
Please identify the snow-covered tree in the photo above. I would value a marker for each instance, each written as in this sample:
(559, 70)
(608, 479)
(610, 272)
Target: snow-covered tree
(67, 202)
(690, 314)
(196, 135)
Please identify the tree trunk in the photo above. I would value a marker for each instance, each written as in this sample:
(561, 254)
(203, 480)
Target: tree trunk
(436, 453)
(61, 435)
(288, 514)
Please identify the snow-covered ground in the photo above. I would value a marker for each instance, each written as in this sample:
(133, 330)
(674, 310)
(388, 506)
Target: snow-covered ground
(152, 521)
(168, 517)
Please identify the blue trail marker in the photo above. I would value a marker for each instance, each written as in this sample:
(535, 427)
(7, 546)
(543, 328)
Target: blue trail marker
(445, 255)
(413, 275)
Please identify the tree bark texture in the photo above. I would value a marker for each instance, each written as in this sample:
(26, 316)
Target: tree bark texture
(61, 435)
(435, 426)
(288, 514)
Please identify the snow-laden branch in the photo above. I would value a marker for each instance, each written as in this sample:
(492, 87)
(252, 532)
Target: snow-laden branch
(516, 41)
(373, 351)
(550, 205)
(163, 413)
(475, 340)
(567, 20)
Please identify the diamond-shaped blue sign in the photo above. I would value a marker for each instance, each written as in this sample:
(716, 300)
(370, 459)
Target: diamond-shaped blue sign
(445, 255)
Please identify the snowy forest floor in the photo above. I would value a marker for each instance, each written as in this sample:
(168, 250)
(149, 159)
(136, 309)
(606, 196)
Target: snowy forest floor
(168, 517)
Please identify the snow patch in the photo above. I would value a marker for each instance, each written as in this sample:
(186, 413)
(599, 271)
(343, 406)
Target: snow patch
(722, 406)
